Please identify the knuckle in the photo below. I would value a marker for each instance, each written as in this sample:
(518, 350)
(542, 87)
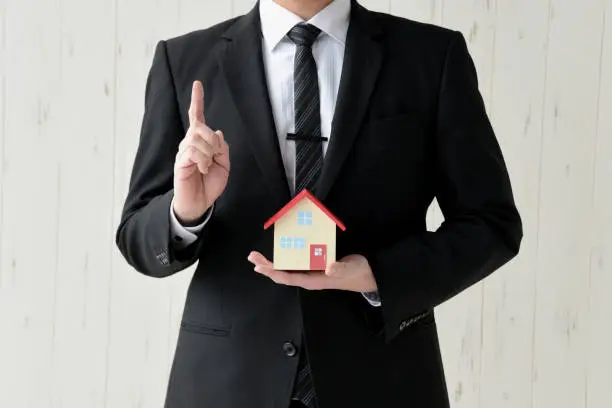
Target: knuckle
(192, 136)
(202, 158)
(204, 149)
(191, 154)
(208, 134)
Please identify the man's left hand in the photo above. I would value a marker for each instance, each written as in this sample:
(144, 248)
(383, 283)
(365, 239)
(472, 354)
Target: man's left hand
(352, 273)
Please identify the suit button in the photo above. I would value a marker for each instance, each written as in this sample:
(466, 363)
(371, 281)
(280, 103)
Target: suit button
(289, 349)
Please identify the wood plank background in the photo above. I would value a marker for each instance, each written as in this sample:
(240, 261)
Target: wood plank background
(78, 328)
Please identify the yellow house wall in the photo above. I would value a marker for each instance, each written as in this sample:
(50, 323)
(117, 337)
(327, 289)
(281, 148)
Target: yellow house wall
(322, 231)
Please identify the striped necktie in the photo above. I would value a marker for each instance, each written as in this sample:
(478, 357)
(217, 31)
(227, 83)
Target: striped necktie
(308, 155)
(308, 147)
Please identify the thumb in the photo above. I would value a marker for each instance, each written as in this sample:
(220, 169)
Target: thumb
(196, 109)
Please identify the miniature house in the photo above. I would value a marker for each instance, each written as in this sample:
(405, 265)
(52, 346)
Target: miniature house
(304, 234)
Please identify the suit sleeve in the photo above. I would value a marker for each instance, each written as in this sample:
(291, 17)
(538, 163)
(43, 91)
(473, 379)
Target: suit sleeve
(482, 229)
(143, 235)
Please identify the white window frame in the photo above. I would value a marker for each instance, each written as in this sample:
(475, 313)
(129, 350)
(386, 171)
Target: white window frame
(286, 242)
(300, 240)
(304, 217)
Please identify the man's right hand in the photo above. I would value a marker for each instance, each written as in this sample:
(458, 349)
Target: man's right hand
(202, 164)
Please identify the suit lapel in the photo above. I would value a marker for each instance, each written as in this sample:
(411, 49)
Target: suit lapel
(362, 62)
(242, 65)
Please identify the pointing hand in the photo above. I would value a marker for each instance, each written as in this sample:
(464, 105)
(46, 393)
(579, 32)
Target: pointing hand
(202, 164)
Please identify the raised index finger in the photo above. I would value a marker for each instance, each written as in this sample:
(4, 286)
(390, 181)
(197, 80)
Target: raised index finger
(196, 109)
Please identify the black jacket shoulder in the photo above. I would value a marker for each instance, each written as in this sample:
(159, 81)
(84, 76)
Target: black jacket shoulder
(396, 24)
(204, 38)
(195, 52)
(422, 35)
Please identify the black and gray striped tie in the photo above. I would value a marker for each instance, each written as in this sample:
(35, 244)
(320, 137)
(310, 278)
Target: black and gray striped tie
(308, 154)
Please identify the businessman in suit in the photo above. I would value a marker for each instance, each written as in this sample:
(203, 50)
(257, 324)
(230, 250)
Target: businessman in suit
(376, 115)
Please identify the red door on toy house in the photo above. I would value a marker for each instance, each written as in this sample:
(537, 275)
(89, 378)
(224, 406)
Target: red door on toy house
(318, 257)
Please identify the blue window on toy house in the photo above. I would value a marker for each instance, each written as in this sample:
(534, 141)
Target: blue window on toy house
(285, 242)
(299, 243)
(304, 217)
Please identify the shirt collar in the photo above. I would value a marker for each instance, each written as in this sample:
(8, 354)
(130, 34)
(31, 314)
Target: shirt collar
(276, 21)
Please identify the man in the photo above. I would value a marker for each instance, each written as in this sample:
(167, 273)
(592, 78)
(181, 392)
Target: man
(376, 115)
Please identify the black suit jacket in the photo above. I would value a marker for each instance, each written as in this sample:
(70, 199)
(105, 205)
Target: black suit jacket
(410, 125)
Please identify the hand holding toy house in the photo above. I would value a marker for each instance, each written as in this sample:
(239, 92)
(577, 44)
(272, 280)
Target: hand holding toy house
(304, 234)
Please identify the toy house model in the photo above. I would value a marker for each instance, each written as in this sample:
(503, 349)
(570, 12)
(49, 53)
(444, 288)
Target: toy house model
(304, 234)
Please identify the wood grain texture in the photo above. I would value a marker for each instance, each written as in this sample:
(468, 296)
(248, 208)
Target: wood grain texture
(566, 217)
(240, 7)
(5, 342)
(419, 10)
(30, 201)
(3, 55)
(515, 105)
(81, 329)
(599, 363)
(83, 145)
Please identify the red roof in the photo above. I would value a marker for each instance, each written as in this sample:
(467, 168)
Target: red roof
(297, 199)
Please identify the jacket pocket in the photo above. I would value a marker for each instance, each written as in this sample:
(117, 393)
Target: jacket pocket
(205, 329)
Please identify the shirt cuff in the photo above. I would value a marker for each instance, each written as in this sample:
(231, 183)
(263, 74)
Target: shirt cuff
(373, 298)
(183, 236)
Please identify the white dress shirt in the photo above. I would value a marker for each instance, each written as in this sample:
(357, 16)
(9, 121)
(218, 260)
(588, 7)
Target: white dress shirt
(278, 57)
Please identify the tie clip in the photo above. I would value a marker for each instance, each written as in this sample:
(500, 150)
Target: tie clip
(305, 138)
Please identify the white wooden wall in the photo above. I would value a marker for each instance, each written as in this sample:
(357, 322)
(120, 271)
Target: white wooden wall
(79, 329)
